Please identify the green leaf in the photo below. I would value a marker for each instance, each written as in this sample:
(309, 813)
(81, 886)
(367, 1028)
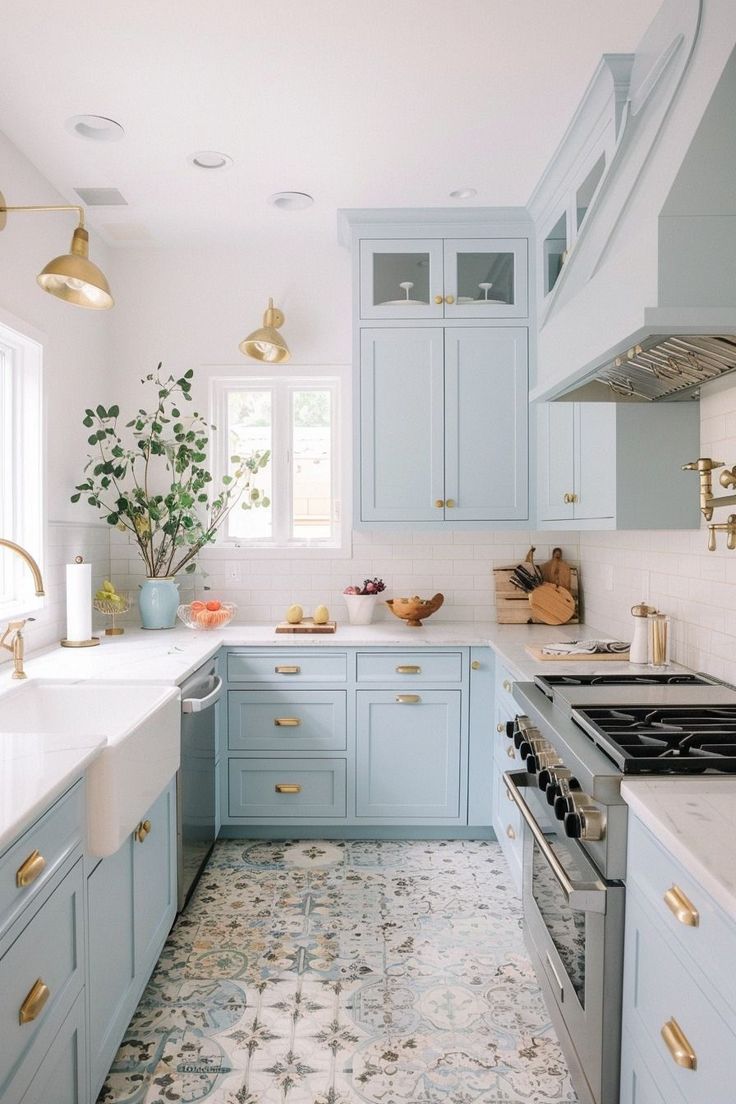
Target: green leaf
(76, 497)
(113, 412)
(88, 422)
(101, 412)
(189, 374)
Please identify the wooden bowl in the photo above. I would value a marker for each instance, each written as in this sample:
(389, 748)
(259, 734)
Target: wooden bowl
(412, 610)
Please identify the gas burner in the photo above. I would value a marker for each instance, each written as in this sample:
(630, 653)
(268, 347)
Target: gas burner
(667, 739)
(547, 683)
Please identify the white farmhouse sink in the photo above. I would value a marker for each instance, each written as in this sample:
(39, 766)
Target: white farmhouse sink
(141, 724)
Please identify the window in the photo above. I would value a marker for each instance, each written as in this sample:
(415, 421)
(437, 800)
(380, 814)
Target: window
(21, 475)
(297, 419)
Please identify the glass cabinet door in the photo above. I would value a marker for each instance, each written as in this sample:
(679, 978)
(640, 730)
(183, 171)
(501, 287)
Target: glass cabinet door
(485, 278)
(401, 279)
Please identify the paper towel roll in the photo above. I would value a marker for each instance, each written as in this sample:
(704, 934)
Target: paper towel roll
(78, 601)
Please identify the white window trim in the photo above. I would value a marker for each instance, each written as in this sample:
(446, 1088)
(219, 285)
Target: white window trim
(295, 378)
(22, 454)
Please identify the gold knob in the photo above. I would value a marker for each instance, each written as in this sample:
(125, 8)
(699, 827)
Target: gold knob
(506, 685)
(439, 503)
(29, 870)
(510, 751)
(450, 299)
(408, 669)
(142, 830)
(286, 722)
(678, 1045)
(499, 727)
(451, 504)
(573, 497)
(438, 299)
(510, 832)
(681, 906)
(567, 499)
(475, 665)
(34, 1002)
(287, 670)
(407, 699)
(287, 788)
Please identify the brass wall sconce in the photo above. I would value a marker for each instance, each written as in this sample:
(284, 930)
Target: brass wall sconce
(266, 344)
(71, 276)
(704, 466)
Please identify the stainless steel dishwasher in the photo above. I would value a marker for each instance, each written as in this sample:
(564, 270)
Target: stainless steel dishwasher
(195, 790)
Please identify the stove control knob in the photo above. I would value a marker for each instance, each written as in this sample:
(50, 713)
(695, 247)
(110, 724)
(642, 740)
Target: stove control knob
(555, 776)
(510, 729)
(544, 778)
(592, 823)
(573, 825)
(532, 764)
(564, 801)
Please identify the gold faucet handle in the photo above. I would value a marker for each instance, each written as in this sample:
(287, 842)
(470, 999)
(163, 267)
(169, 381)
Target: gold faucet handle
(727, 478)
(703, 464)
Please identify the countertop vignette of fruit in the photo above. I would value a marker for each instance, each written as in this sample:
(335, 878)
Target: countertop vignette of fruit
(108, 593)
(210, 615)
(370, 586)
(295, 615)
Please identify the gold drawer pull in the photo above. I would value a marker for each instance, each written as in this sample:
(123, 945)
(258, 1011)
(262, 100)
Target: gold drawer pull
(681, 906)
(29, 870)
(510, 832)
(286, 722)
(510, 751)
(287, 787)
(475, 665)
(32, 1006)
(506, 685)
(677, 1044)
(408, 699)
(408, 669)
(142, 830)
(287, 670)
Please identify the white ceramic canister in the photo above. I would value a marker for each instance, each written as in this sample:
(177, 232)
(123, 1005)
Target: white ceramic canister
(639, 651)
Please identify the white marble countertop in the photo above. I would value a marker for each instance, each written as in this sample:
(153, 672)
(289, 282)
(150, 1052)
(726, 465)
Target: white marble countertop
(695, 820)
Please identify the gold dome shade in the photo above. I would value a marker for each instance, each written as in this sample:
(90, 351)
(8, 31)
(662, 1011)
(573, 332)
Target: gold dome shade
(266, 344)
(73, 278)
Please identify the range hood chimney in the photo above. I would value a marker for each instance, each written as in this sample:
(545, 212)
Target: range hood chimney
(647, 310)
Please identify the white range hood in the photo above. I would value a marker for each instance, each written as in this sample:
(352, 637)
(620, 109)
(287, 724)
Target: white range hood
(646, 301)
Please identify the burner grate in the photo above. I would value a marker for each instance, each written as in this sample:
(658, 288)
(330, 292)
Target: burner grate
(666, 739)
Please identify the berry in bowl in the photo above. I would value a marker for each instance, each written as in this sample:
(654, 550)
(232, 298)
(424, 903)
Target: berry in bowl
(206, 615)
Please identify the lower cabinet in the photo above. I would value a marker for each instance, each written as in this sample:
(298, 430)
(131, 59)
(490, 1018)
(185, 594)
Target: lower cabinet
(131, 906)
(408, 755)
(507, 822)
(62, 1076)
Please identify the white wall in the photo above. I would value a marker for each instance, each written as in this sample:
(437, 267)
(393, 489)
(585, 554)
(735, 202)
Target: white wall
(76, 371)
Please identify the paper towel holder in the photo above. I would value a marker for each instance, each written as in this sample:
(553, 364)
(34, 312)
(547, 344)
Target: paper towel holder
(93, 641)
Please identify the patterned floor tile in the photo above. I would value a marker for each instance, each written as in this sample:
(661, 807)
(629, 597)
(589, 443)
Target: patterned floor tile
(344, 972)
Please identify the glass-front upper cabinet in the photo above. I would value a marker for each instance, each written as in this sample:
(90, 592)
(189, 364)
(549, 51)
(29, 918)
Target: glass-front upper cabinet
(401, 279)
(485, 278)
(451, 278)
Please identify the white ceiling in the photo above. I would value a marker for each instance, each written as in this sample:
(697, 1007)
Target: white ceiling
(362, 104)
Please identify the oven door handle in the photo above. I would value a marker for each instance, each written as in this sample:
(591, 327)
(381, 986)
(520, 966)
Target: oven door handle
(582, 896)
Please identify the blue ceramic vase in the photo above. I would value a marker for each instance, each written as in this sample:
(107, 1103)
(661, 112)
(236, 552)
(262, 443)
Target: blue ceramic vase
(158, 601)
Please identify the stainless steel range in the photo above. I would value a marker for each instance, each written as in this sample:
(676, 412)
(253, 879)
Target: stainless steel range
(579, 735)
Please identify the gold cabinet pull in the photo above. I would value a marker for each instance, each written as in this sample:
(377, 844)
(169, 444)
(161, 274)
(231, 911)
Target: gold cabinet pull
(287, 670)
(288, 787)
(510, 751)
(438, 299)
(500, 726)
(567, 499)
(451, 504)
(450, 299)
(510, 832)
(408, 669)
(32, 1006)
(506, 685)
(677, 1044)
(408, 699)
(286, 722)
(29, 870)
(681, 906)
(142, 830)
(475, 665)
(439, 503)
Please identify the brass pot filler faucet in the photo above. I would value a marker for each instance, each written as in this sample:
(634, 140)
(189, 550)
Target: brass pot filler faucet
(704, 466)
(16, 644)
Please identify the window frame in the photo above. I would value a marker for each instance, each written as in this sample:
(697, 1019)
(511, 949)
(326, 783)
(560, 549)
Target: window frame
(22, 454)
(283, 386)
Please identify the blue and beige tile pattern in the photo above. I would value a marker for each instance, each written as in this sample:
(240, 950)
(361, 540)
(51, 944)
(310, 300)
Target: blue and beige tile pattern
(344, 973)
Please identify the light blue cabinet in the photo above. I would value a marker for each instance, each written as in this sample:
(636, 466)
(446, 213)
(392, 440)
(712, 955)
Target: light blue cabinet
(443, 424)
(615, 465)
(62, 1075)
(507, 822)
(408, 754)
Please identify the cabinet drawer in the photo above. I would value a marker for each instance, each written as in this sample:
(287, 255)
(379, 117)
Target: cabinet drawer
(639, 1083)
(504, 688)
(286, 666)
(293, 788)
(504, 753)
(62, 1075)
(48, 952)
(274, 720)
(34, 859)
(658, 990)
(410, 667)
(711, 945)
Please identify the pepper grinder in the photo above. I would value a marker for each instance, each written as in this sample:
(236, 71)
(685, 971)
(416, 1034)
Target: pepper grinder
(639, 651)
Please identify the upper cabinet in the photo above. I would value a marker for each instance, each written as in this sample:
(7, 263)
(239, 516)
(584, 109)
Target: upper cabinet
(443, 278)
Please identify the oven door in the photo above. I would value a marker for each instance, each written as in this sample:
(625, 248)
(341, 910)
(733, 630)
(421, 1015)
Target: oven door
(574, 927)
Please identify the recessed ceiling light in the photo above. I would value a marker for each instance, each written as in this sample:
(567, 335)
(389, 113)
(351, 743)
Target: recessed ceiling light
(95, 128)
(291, 201)
(210, 159)
(464, 193)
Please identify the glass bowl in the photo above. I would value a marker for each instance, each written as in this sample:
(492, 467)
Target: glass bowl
(206, 619)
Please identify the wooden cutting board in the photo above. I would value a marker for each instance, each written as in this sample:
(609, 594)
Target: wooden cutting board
(552, 605)
(306, 625)
(580, 657)
(557, 570)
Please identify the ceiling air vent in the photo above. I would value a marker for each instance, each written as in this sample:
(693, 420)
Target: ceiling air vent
(101, 197)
